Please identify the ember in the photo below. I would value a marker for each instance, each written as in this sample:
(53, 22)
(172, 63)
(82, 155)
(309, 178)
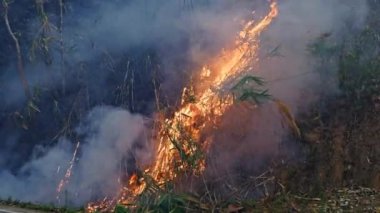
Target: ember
(180, 136)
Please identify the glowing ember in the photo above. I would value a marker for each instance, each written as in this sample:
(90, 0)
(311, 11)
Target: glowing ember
(180, 136)
(67, 176)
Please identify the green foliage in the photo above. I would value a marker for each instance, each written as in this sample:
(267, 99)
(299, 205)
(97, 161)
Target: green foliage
(189, 160)
(323, 48)
(121, 209)
(166, 200)
(247, 79)
(246, 90)
(359, 69)
(45, 36)
(357, 72)
(190, 152)
(6, 3)
(254, 95)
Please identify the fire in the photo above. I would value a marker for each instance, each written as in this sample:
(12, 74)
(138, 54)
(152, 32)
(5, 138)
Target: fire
(67, 176)
(208, 104)
(201, 106)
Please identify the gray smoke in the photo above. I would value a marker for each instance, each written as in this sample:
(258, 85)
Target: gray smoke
(192, 33)
(292, 74)
(182, 32)
(248, 140)
(110, 135)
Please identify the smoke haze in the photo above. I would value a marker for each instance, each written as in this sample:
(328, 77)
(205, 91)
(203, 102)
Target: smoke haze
(109, 136)
(247, 140)
(184, 35)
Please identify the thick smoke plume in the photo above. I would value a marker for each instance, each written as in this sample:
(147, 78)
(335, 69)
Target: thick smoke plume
(110, 135)
(185, 36)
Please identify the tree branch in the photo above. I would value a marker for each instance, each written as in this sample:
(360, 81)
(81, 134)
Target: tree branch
(20, 64)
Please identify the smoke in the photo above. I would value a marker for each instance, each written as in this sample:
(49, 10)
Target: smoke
(184, 34)
(110, 138)
(291, 71)
(100, 38)
(181, 32)
(248, 141)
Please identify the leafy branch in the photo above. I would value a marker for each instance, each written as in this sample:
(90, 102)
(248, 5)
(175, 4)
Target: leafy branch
(245, 90)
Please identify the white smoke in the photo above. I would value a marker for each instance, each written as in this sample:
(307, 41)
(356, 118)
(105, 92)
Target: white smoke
(250, 139)
(110, 134)
(291, 70)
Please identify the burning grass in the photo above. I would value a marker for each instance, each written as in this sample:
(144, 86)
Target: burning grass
(226, 82)
(180, 139)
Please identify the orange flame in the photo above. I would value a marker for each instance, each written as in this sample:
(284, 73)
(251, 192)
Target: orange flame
(208, 102)
(67, 176)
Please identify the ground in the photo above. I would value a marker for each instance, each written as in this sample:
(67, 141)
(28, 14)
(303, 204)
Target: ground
(8, 209)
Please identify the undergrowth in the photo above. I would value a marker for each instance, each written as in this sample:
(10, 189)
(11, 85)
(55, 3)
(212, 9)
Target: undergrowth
(39, 207)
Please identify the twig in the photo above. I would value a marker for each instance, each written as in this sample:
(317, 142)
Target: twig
(305, 198)
(20, 64)
(156, 89)
(62, 48)
(207, 190)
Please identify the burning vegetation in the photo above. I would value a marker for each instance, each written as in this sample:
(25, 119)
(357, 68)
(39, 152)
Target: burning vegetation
(227, 131)
(180, 140)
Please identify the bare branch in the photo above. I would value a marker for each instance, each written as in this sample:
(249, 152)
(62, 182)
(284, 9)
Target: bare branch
(20, 64)
(62, 48)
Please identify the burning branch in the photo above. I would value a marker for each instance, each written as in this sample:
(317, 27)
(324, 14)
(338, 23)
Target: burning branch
(179, 138)
(67, 176)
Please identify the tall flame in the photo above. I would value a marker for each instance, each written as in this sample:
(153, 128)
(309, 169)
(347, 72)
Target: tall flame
(201, 106)
(208, 104)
